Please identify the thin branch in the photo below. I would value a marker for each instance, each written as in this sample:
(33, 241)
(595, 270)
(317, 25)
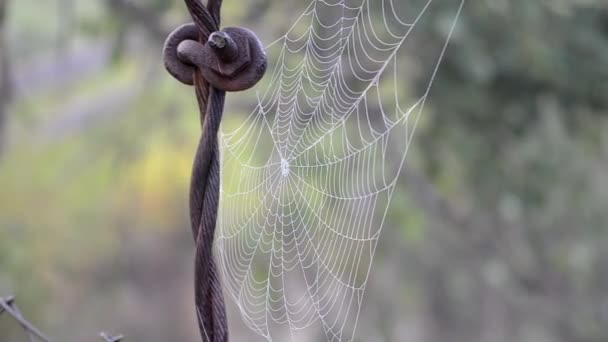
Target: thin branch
(7, 304)
(9, 300)
(109, 338)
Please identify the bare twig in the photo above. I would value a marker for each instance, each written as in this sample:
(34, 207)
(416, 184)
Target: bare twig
(7, 304)
(109, 338)
(9, 300)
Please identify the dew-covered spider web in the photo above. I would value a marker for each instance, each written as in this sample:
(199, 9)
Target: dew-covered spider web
(308, 176)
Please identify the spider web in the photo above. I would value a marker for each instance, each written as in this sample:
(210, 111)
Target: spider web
(308, 176)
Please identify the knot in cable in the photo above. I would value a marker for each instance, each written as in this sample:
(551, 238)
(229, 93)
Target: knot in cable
(232, 59)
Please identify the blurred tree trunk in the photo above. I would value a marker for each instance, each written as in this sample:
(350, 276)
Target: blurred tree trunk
(66, 9)
(5, 88)
(144, 16)
(131, 14)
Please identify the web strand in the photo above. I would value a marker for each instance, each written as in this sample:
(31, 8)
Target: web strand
(308, 176)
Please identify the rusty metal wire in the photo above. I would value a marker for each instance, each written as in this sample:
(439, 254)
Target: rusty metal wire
(8, 306)
(233, 60)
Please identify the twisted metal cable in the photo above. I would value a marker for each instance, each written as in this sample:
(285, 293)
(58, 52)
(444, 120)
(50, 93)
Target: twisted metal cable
(204, 200)
(205, 188)
(214, 62)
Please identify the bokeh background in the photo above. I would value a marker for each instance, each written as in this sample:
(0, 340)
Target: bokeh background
(498, 230)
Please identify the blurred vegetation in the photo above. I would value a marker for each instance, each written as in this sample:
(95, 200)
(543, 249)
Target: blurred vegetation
(498, 231)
